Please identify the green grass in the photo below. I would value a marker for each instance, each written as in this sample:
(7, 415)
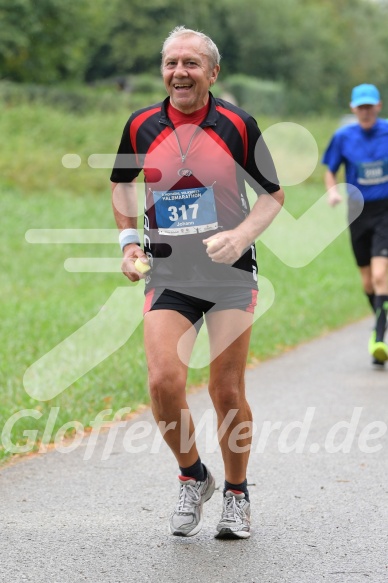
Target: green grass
(43, 304)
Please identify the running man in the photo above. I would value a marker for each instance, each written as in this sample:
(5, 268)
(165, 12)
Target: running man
(363, 148)
(196, 152)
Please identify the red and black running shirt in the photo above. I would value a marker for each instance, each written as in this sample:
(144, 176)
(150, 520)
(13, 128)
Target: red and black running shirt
(219, 156)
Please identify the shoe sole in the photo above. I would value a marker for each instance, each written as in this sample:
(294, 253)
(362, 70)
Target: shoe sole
(192, 532)
(209, 494)
(378, 364)
(227, 533)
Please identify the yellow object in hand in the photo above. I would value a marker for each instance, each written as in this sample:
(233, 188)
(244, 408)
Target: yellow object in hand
(142, 267)
(210, 243)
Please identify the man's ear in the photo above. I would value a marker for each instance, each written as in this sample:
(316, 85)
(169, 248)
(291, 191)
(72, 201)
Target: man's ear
(214, 74)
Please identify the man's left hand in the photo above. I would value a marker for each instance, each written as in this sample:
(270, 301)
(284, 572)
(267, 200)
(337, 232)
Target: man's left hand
(225, 247)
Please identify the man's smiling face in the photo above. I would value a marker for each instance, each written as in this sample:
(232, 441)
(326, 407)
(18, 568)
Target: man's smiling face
(187, 74)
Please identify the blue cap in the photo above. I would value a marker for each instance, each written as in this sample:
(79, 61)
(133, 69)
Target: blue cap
(365, 95)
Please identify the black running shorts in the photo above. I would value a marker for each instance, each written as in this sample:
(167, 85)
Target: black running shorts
(194, 307)
(369, 232)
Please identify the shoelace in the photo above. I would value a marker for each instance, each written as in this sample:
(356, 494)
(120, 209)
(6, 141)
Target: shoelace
(232, 510)
(188, 496)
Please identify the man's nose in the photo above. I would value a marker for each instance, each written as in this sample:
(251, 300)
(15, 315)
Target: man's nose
(181, 68)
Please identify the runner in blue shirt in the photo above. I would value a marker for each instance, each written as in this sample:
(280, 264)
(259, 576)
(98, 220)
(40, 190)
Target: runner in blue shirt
(363, 149)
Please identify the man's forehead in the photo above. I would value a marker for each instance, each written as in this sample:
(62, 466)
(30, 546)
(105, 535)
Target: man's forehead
(187, 45)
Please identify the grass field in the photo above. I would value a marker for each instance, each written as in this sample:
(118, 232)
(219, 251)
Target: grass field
(44, 304)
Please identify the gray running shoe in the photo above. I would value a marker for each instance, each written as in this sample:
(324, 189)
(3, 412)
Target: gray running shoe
(187, 518)
(236, 517)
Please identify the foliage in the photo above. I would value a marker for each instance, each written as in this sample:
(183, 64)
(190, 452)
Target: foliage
(138, 31)
(256, 95)
(49, 40)
(316, 50)
(76, 99)
(107, 97)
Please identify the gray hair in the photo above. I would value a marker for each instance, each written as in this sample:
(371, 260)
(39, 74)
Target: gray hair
(211, 49)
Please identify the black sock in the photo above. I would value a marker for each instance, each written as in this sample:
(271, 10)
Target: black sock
(196, 471)
(371, 300)
(381, 307)
(243, 487)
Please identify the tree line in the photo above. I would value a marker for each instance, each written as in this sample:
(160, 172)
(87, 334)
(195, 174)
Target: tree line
(314, 51)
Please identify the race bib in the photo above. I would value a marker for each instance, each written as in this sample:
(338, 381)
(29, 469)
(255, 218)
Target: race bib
(185, 212)
(373, 172)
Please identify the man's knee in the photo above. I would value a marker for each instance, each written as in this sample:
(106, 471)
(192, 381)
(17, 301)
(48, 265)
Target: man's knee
(380, 279)
(227, 396)
(165, 388)
(379, 274)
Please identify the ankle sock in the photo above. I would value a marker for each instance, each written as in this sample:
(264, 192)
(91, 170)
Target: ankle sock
(381, 308)
(243, 487)
(196, 471)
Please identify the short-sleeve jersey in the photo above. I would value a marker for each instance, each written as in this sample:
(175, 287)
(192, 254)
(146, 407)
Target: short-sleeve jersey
(365, 156)
(194, 179)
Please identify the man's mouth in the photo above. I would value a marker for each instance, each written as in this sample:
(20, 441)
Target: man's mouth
(182, 86)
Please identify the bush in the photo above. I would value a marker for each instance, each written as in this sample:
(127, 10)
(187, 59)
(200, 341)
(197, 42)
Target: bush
(112, 96)
(146, 84)
(257, 96)
(77, 100)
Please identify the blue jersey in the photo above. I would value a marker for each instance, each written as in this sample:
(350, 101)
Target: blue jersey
(365, 156)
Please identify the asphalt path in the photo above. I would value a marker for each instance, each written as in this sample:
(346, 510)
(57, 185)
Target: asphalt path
(318, 473)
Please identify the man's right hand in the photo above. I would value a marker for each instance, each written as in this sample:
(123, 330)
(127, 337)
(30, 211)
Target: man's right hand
(334, 197)
(131, 253)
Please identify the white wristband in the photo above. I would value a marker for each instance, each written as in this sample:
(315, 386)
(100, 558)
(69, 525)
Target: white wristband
(128, 236)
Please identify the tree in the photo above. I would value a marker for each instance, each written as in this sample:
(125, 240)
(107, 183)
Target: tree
(316, 50)
(139, 28)
(49, 40)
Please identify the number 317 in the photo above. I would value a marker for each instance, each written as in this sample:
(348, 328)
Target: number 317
(184, 212)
